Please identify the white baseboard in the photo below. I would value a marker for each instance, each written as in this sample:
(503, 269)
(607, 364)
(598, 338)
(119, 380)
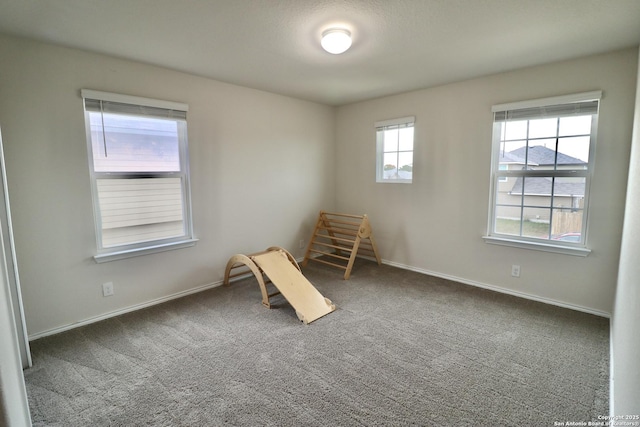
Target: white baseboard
(611, 372)
(499, 289)
(124, 310)
(387, 262)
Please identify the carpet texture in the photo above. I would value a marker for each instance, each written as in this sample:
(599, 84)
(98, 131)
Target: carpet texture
(401, 349)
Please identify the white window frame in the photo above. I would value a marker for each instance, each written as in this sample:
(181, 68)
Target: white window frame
(381, 126)
(503, 178)
(497, 175)
(112, 253)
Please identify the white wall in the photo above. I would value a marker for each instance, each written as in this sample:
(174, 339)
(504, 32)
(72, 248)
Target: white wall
(262, 166)
(436, 224)
(626, 314)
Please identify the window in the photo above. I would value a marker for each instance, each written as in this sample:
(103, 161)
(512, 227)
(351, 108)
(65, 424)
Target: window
(541, 166)
(394, 158)
(139, 172)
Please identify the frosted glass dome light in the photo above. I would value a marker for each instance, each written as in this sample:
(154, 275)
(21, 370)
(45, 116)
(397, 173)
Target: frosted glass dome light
(336, 40)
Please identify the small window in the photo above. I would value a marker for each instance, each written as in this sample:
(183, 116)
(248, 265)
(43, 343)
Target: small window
(394, 148)
(138, 160)
(542, 163)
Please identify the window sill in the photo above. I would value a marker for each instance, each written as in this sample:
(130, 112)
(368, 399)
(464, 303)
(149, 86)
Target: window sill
(394, 181)
(545, 247)
(130, 253)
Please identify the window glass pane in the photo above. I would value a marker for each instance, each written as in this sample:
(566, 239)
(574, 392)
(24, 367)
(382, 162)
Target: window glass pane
(575, 125)
(568, 205)
(134, 144)
(513, 153)
(569, 192)
(515, 130)
(567, 225)
(508, 209)
(406, 139)
(405, 163)
(543, 128)
(508, 220)
(542, 154)
(536, 191)
(535, 223)
(390, 166)
(575, 152)
(391, 139)
(537, 200)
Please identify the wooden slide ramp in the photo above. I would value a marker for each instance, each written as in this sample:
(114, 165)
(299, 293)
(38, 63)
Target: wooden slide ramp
(285, 275)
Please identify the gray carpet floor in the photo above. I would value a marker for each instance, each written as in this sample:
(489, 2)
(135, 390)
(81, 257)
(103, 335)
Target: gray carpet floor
(401, 349)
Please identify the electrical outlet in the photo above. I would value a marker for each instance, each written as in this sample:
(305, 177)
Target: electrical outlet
(107, 289)
(515, 270)
(301, 244)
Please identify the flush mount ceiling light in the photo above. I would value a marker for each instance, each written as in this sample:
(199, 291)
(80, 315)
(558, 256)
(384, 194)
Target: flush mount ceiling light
(336, 40)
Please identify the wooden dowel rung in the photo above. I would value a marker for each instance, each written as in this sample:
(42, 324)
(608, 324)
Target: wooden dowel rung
(328, 263)
(342, 248)
(240, 273)
(365, 245)
(339, 227)
(238, 265)
(340, 231)
(330, 254)
(343, 214)
(274, 294)
(365, 250)
(326, 236)
(337, 221)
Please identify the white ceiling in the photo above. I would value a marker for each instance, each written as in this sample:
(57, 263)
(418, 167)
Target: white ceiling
(273, 45)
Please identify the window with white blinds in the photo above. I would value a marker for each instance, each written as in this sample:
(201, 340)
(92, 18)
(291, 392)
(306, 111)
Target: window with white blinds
(394, 150)
(541, 168)
(139, 167)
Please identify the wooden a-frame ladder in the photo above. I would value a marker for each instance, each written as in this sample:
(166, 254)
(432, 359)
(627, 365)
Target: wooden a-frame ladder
(341, 238)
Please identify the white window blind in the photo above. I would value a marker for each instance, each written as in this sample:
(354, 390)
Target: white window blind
(135, 210)
(561, 110)
(139, 167)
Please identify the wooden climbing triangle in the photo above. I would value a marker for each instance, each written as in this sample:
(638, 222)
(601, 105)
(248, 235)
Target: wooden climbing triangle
(339, 238)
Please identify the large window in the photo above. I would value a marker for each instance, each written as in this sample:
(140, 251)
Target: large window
(542, 162)
(394, 147)
(140, 176)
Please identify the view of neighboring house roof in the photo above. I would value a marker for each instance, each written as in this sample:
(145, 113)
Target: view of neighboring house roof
(542, 186)
(539, 155)
(512, 158)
